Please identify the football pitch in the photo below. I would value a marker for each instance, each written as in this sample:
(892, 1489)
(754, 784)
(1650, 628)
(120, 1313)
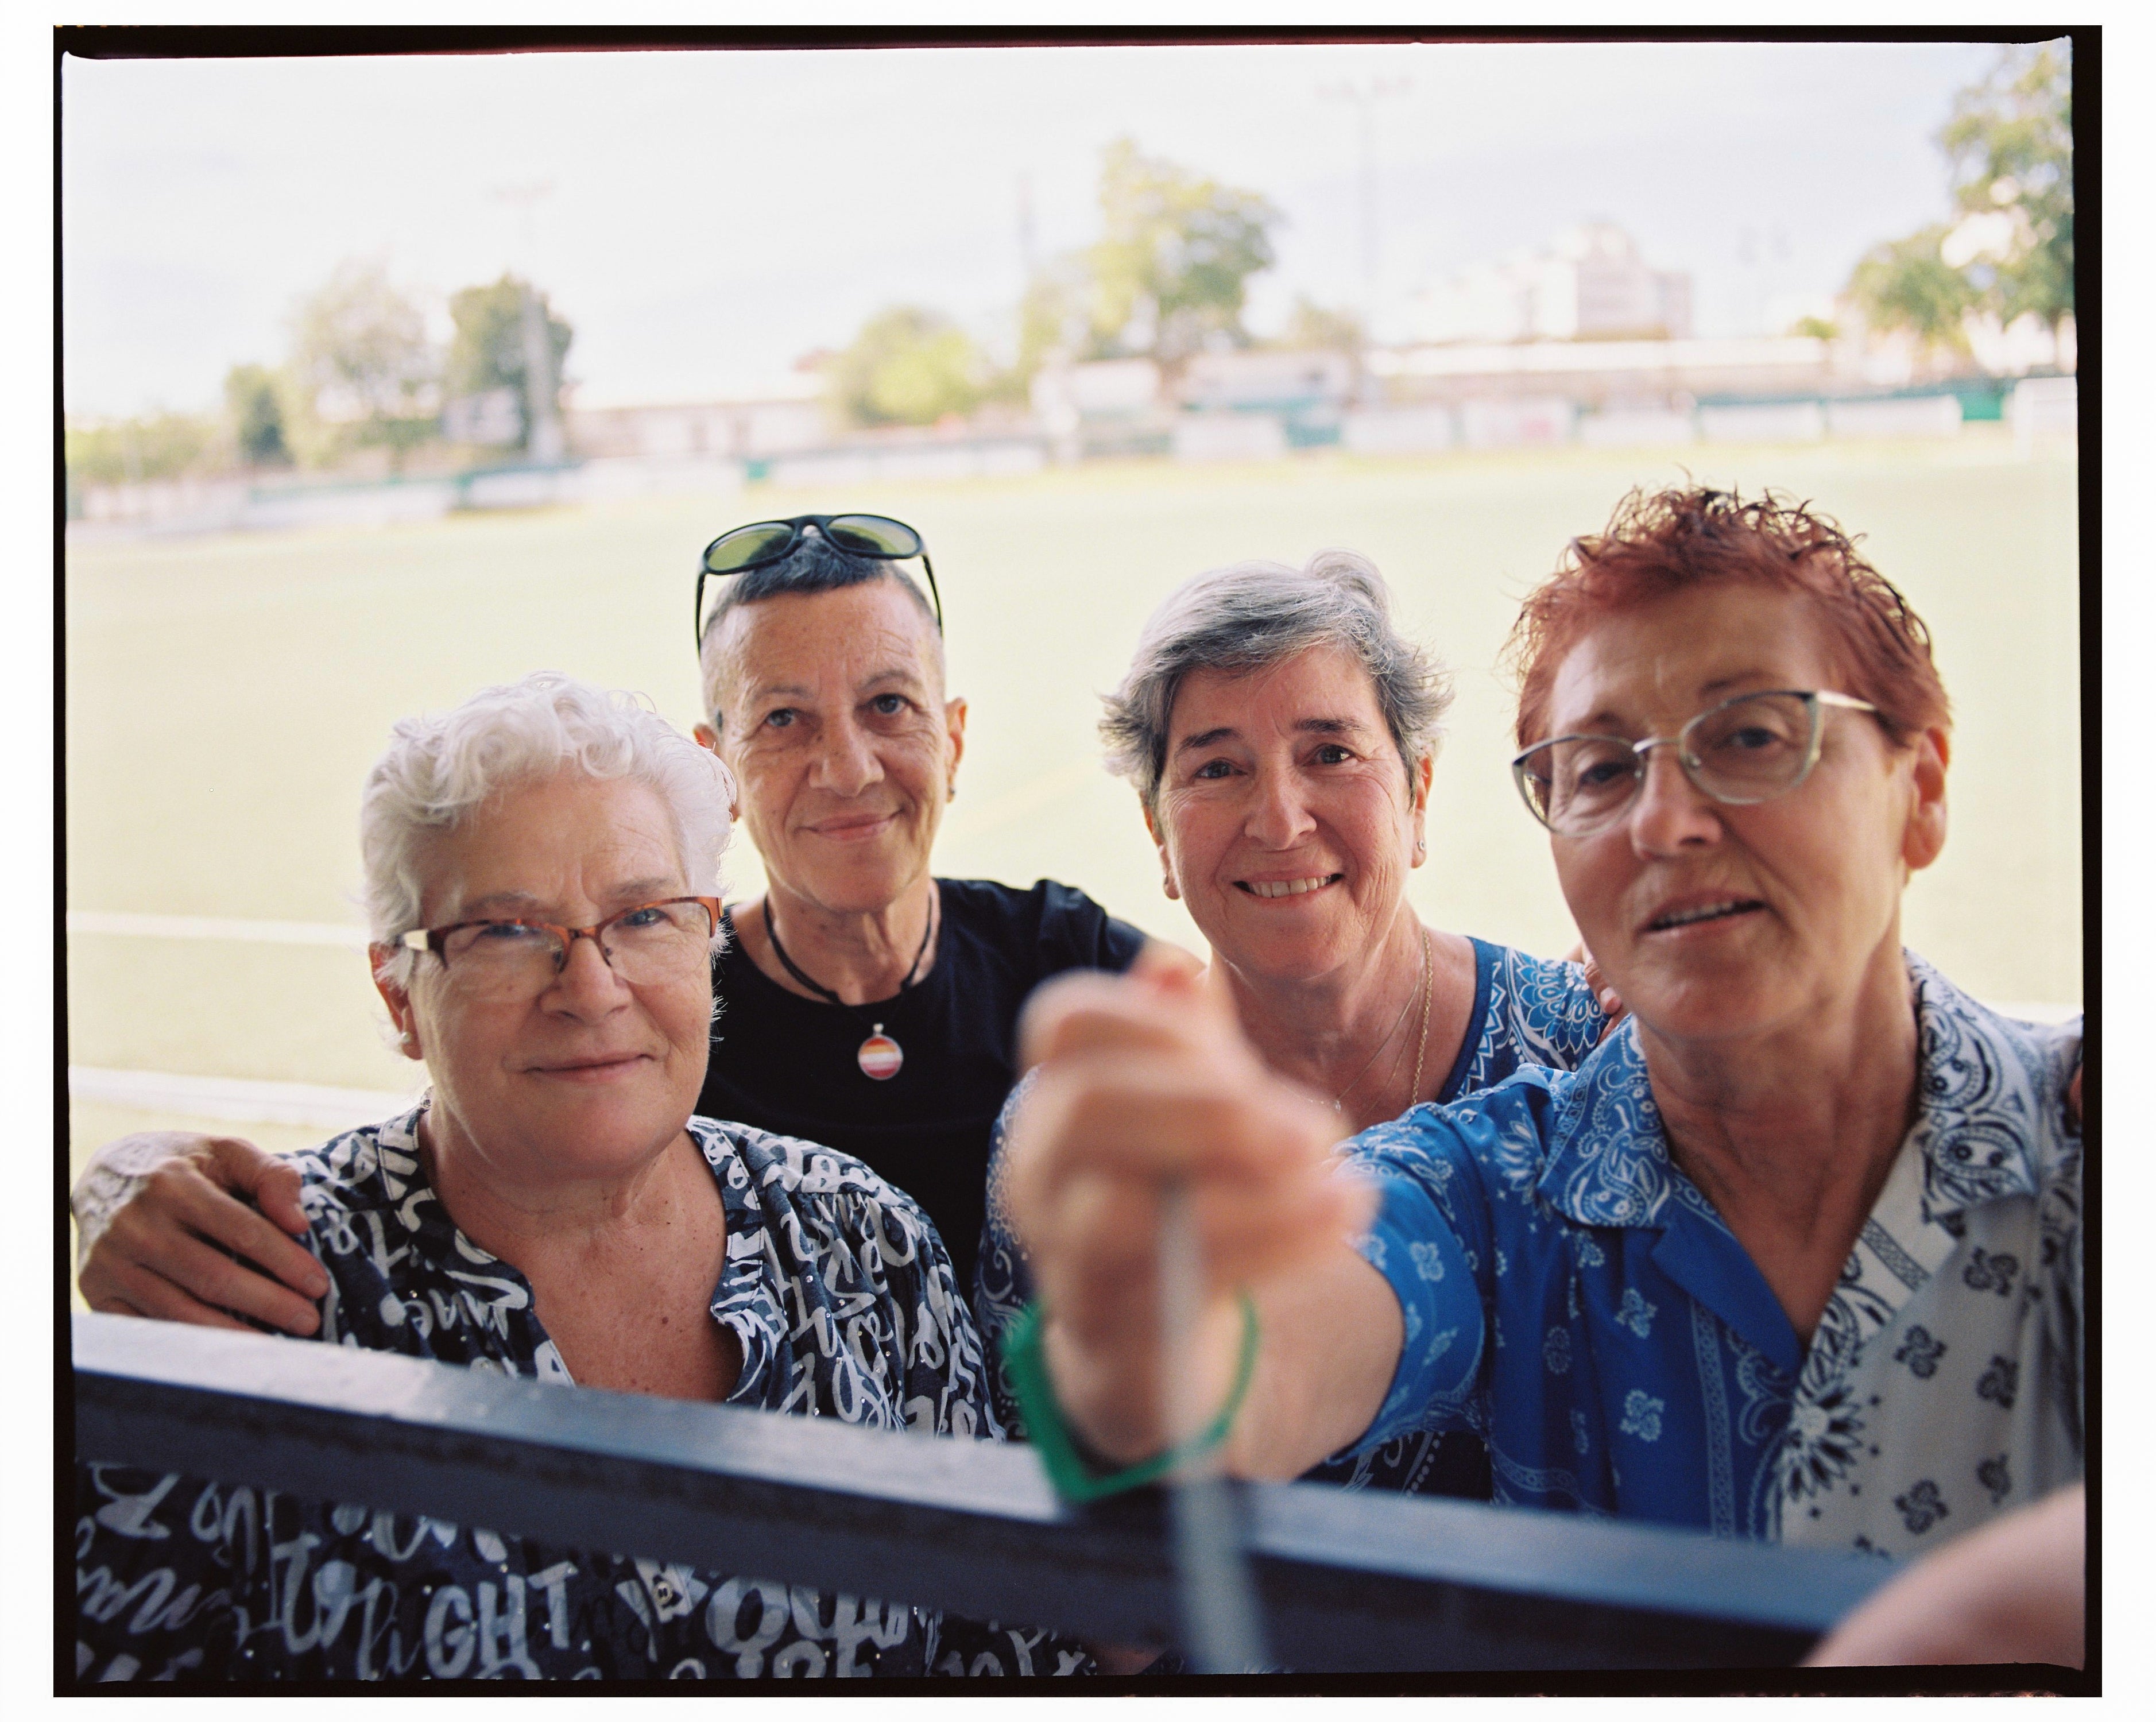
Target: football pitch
(225, 697)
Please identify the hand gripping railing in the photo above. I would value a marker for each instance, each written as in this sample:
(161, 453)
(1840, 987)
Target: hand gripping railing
(1348, 1581)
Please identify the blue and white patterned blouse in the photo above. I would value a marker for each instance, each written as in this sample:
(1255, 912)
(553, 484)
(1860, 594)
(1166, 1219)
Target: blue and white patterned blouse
(1570, 1294)
(843, 1299)
(1526, 1012)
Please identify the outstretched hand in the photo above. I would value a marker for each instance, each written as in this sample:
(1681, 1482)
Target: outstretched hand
(1144, 1079)
(158, 1212)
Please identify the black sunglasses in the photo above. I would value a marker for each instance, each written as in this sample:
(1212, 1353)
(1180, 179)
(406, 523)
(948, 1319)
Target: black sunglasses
(764, 541)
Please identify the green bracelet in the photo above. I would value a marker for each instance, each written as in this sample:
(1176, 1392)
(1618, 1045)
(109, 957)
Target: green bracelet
(1074, 1479)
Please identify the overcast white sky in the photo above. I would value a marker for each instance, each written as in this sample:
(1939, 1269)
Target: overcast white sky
(713, 215)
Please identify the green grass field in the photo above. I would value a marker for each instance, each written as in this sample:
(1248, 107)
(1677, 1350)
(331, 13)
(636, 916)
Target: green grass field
(226, 696)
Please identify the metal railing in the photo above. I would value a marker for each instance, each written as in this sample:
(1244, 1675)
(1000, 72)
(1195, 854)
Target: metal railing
(1349, 1581)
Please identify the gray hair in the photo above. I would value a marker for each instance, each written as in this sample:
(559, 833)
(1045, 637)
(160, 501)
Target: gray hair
(1252, 615)
(814, 564)
(439, 769)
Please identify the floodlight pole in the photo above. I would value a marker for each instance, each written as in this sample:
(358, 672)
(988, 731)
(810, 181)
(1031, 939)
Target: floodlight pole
(544, 441)
(1365, 97)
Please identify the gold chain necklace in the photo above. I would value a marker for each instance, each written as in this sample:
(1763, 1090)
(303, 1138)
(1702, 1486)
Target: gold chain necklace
(1408, 1005)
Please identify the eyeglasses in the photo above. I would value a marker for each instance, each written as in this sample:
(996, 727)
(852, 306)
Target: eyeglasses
(493, 961)
(1745, 750)
(764, 541)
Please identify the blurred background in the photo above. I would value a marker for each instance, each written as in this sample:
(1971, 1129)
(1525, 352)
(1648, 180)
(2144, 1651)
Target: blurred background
(387, 378)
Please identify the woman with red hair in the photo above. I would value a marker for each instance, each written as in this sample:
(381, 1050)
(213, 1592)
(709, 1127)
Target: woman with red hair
(1795, 1254)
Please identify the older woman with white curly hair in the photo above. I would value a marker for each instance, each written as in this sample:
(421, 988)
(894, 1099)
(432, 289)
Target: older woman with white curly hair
(542, 879)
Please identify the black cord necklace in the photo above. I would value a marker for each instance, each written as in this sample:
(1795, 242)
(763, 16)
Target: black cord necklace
(880, 1056)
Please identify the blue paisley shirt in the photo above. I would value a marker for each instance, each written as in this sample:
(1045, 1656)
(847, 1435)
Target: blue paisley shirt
(1526, 1012)
(1571, 1296)
(843, 1299)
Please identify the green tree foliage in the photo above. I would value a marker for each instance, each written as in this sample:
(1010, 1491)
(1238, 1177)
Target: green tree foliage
(487, 351)
(907, 366)
(2010, 251)
(131, 451)
(255, 404)
(2011, 143)
(1905, 285)
(1175, 254)
(367, 372)
(1311, 326)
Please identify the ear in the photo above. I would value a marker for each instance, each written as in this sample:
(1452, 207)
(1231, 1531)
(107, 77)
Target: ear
(1420, 778)
(399, 1001)
(1925, 834)
(706, 737)
(954, 729)
(1160, 843)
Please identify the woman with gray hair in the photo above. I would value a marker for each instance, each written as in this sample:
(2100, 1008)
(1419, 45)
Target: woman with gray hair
(542, 878)
(1282, 734)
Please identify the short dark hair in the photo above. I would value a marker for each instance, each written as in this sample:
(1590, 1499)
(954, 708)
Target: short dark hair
(814, 565)
(1668, 541)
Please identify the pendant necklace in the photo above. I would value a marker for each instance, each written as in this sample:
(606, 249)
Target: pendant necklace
(879, 1056)
(1421, 1044)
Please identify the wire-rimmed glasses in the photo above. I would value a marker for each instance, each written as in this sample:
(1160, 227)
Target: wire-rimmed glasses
(513, 958)
(1745, 750)
(763, 542)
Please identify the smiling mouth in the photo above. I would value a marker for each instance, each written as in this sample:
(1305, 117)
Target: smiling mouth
(1288, 887)
(588, 1066)
(1704, 911)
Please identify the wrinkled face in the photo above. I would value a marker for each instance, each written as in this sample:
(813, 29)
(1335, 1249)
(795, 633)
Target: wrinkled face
(1284, 821)
(589, 1076)
(838, 732)
(1713, 921)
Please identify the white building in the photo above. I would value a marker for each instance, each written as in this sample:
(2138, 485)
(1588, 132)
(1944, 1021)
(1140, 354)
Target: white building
(1589, 283)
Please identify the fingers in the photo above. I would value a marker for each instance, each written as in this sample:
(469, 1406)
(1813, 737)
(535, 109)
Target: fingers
(165, 1230)
(123, 1287)
(276, 1191)
(1162, 1001)
(1157, 1112)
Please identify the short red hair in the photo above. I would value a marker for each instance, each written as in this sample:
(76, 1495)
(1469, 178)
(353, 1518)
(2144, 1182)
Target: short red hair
(1673, 540)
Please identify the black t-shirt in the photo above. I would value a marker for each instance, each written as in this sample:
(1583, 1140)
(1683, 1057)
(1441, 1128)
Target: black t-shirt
(788, 1064)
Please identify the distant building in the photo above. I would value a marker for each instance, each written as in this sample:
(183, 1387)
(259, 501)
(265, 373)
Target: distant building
(786, 417)
(1588, 284)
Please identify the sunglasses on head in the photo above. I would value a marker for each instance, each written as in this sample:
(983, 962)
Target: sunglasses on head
(764, 541)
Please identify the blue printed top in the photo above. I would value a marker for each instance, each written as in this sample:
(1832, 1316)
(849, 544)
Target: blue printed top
(1570, 1294)
(1526, 1012)
(842, 1298)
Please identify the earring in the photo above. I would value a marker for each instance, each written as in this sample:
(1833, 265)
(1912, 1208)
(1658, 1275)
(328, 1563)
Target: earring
(405, 1038)
(951, 790)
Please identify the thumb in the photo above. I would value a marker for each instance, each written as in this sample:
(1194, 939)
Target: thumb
(1160, 961)
(274, 1184)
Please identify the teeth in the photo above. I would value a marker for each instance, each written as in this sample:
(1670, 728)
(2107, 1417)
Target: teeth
(1708, 913)
(1288, 887)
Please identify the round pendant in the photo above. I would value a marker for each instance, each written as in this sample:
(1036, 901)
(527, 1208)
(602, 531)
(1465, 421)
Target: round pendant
(880, 1056)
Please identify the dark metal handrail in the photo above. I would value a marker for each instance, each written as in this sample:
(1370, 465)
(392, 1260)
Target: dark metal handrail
(1349, 1580)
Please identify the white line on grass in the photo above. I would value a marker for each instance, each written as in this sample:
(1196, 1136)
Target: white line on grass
(204, 926)
(235, 1099)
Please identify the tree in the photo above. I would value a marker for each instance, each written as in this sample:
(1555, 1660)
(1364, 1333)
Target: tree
(907, 366)
(2010, 141)
(254, 402)
(1312, 327)
(361, 355)
(488, 351)
(1176, 250)
(1905, 284)
(134, 451)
